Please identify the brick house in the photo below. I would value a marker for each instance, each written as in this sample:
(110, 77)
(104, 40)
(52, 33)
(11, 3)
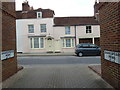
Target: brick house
(110, 42)
(39, 31)
(8, 39)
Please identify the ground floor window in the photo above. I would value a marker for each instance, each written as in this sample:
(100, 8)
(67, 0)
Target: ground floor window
(37, 43)
(68, 42)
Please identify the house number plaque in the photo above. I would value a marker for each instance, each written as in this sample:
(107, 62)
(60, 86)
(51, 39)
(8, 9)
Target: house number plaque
(7, 54)
(112, 56)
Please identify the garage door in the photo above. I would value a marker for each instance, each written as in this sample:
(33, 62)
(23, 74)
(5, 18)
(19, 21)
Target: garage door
(85, 40)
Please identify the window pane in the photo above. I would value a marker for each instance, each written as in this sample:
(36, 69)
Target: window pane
(68, 43)
(67, 30)
(31, 28)
(43, 27)
(88, 29)
(41, 43)
(63, 42)
(39, 14)
(31, 43)
(72, 42)
(36, 42)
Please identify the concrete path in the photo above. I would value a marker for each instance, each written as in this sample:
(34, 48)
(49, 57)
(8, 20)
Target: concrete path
(59, 76)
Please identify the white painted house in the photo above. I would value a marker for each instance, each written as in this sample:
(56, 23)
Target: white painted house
(39, 31)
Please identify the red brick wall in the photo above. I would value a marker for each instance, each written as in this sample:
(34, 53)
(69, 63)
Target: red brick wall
(9, 66)
(110, 40)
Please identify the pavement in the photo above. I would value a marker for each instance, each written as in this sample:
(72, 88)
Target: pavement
(47, 54)
(58, 76)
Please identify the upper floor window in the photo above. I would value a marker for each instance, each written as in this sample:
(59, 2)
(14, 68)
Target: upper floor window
(31, 28)
(67, 30)
(39, 14)
(88, 29)
(43, 27)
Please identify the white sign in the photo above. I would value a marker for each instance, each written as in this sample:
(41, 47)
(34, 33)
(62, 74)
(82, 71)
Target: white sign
(7, 54)
(112, 56)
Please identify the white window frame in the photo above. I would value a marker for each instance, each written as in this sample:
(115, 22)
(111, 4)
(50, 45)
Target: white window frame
(72, 43)
(43, 30)
(88, 30)
(38, 14)
(67, 31)
(32, 43)
(30, 30)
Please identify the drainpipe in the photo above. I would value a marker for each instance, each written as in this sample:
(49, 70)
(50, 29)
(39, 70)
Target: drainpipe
(75, 35)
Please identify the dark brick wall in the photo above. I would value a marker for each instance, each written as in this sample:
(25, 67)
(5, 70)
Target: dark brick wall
(9, 66)
(110, 40)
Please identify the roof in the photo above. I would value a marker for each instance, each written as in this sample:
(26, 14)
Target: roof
(71, 21)
(46, 13)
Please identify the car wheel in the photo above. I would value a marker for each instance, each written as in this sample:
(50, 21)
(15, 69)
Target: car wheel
(80, 54)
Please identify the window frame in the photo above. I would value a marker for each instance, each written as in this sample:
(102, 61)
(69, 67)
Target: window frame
(39, 43)
(64, 42)
(67, 30)
(38, 14)
(30, 30)
(43, 30)
(88, 29)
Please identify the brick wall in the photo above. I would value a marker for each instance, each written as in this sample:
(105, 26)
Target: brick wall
(110, 40)
(9, 66)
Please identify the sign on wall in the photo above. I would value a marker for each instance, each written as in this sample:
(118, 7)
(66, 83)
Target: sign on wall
(7, 54)
(112, 56)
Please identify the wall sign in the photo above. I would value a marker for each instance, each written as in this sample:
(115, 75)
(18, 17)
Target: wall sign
(112, 56)
(7, 54)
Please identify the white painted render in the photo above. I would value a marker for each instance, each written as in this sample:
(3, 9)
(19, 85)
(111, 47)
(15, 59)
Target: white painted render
(23, 42)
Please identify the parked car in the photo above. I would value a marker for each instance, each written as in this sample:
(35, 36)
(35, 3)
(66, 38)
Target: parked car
(87, 49)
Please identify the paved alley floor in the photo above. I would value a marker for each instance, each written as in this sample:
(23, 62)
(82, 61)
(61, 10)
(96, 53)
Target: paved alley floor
(59, 76)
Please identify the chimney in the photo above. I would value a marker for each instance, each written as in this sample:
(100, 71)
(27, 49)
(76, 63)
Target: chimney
(25, 6)
(96, 11)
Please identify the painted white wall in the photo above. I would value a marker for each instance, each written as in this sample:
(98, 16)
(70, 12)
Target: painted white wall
(59, 31)
(81, 32)
(23, 42)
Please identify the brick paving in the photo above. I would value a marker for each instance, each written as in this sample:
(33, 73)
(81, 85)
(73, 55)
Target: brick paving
(96, 68)
(59, 76)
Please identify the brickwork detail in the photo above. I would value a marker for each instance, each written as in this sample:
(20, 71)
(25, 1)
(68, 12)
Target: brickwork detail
(9, 66)
(110, 40)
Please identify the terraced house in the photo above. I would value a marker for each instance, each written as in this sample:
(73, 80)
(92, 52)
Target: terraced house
(39, 31)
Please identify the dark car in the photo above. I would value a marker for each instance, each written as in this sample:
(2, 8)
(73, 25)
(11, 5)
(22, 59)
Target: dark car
(87, 49)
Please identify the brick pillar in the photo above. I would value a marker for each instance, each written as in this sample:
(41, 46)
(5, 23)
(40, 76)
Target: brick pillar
(110, 42)
(9, 61)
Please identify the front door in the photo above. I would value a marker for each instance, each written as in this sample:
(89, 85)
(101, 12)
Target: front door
(50, 45)
(57, 46)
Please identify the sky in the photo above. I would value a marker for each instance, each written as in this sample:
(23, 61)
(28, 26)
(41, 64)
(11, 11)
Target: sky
(62, 8)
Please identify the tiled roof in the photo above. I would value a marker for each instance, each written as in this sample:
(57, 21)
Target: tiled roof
(46, 13)
(69, 21)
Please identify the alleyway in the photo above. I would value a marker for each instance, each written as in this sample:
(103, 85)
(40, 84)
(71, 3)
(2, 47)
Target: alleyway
(59, 76)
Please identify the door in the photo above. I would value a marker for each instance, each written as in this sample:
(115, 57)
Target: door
(57, 46)
(50, 45)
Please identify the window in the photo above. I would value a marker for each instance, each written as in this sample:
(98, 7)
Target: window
(68, 42)
(67, 30)
(88, 29)
(41, 43)
(31, 28)
(37, 43)
(39, 14)
(43, 27)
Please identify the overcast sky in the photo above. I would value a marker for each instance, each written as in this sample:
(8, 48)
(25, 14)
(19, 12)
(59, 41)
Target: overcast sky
(62, 7)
